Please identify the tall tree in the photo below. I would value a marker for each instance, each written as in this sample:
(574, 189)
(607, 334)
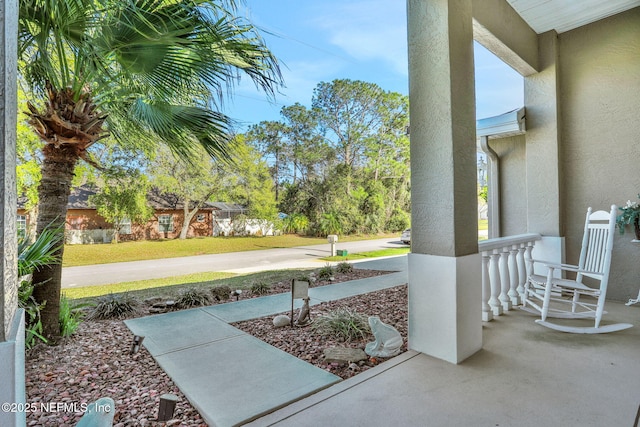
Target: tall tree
(146, 72)
(123, 197)
(247, 182)
(348, 112)
(268, 137)
(192, 183)
(310, 153)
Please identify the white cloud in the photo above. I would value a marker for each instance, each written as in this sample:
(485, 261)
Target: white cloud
(368, 30)
(301, 77)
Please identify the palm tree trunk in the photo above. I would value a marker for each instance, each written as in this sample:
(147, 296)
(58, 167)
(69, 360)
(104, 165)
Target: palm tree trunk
(54, 189)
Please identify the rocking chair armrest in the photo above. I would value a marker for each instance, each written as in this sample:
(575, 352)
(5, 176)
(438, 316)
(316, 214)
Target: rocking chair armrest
(566, 267)
(573, 268)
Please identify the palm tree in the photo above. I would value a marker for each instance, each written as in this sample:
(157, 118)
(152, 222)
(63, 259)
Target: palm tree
(144, 72)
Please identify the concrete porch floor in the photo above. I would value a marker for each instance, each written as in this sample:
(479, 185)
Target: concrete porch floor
(525, 375)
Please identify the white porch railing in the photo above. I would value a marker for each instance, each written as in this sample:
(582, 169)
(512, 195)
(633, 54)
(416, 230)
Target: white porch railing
(504, 272)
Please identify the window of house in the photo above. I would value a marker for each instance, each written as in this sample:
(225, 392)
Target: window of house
(22, 226)
(125, 226)
(200, 218)
(75, 223)
(165, 223)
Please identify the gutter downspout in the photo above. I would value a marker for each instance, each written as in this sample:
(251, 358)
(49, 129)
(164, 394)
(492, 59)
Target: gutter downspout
(494, 188)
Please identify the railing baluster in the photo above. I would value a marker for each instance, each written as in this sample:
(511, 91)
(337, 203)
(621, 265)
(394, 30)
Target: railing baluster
(494, 277)
(487, 314)
(504, 280)
(506, 264)
(522, 270)
(513, 276)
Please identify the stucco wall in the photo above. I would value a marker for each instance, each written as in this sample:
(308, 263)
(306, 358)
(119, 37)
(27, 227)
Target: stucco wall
(513, 185)
(600, 104)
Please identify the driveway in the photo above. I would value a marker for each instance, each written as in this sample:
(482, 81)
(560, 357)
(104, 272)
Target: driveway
(234, 262)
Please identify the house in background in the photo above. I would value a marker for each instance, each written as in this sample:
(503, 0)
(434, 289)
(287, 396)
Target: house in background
(84, 225)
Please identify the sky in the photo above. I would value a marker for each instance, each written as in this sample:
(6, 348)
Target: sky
(322, 40)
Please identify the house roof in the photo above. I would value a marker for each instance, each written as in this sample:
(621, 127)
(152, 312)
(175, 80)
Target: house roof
(231, 207)
(565, 15)
(79, 199)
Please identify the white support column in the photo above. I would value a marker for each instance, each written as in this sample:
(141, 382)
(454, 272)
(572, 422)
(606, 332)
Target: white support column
(439, 314)
(444, 266)
(12, 382)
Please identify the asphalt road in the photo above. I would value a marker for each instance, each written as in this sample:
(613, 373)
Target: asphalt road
(235, 262)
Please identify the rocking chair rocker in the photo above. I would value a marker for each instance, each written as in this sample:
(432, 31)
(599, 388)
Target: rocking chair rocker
(554, 297)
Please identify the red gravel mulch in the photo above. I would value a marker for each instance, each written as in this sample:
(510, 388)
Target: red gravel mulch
(95, 362)
(390, 305)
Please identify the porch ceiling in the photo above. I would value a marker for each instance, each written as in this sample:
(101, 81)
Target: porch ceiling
(565, 15)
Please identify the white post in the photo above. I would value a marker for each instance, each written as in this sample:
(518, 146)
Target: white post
(504, 280)
(487, 314)
(522, 272)
(513, 276)
(494, 277)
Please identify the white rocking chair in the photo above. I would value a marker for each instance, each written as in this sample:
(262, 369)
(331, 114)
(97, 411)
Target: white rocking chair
(561, 298)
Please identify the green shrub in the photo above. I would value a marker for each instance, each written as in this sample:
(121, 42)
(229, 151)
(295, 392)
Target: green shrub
(221, 293)
(70, 316)
(399, 221)
(342, 324)
(33, 322)
(260, 288)
(325, 272)
(114, 306)
(344, 267)
(304, 278)
(193, 297)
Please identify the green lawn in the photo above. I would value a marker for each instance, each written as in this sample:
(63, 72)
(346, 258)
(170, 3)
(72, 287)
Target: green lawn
(372, 254)
(75, 255)
(171, 287)
(483, 224)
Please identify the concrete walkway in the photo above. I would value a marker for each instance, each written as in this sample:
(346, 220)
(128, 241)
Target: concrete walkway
(231, 377)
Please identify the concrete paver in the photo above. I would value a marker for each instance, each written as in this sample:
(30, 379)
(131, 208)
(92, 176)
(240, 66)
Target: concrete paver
(231, 377)
(239, 378)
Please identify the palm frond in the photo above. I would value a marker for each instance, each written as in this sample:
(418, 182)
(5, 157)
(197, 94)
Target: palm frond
(158, 69)
(32, 256)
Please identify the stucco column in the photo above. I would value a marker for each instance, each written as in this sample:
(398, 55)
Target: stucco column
(544, 191)
(444, 266)
(8, 198)
(12, 388)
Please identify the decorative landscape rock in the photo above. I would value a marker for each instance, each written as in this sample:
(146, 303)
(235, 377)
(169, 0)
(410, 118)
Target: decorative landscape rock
(281, 321)
(388, 339)
(162, 307)
(343, 355)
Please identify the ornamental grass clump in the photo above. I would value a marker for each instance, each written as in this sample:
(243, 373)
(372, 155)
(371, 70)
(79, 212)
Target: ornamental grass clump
(221, 293)
(344, 267)
(114, 306)
(325, 272)
(343, 324)
(260, 288)
(193, 297)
